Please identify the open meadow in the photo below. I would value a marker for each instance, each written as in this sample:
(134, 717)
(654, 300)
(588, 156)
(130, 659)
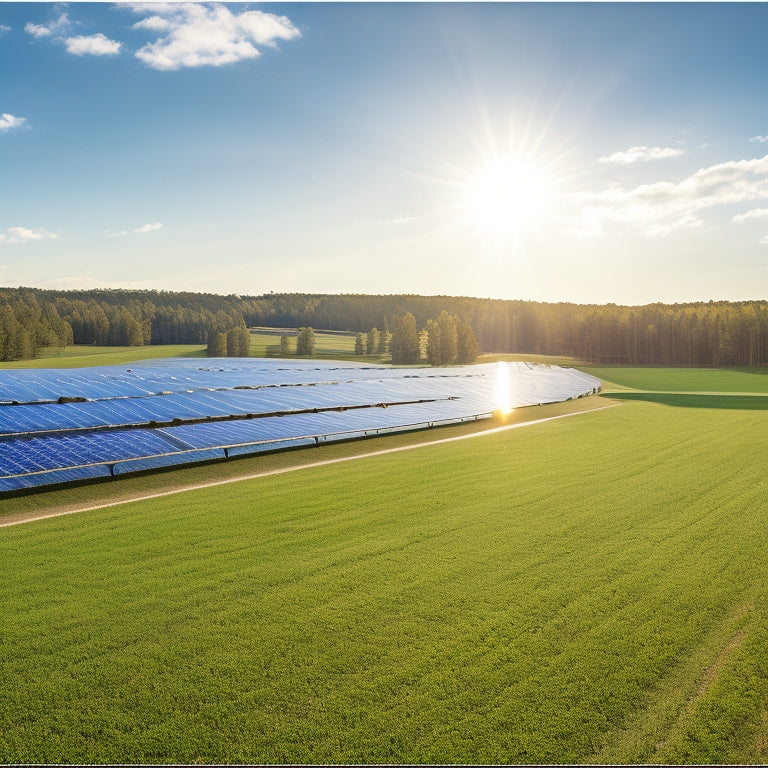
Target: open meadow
(328, 345)
(590, 589)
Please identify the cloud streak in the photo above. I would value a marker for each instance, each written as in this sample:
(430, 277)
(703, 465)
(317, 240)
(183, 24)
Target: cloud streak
(148, 228)
(140, 231)
(756, 213)
(197, 35)
(640, 155)
(24, 235)
(51, 29)
(667, 206)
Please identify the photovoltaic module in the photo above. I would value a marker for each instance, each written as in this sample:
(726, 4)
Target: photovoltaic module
(62, 425)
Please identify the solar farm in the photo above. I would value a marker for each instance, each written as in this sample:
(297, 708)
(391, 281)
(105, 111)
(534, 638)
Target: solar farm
(59, 426)
(579, 590)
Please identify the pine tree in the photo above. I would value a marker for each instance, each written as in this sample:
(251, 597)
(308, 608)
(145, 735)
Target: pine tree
(305, 343)
(372, 343)
(467, 348)
(404, 342)
(217, 344)
(447, 338)
(383, 340)
(433, 343)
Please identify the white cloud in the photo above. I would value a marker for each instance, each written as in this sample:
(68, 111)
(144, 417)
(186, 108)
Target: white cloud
(665, 206)
(153, 23)
(756, 213)
(37, 30)
(197, 35)
(48, 30)
(759, 138)
(764, 241)
(24, 235)
(641, 154)
(685, 222)
(140, 231)
(148, 228)
(96, 45)
(4, 28)
(10, 121)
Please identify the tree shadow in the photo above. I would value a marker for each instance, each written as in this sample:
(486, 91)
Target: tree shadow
(760, 371)
(680, 400)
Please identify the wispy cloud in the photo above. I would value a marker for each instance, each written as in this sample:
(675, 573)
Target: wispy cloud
(666, 206)
(140, 231)
(641, 155)
(96, 45)
(764, 241)
(4, 28)
(80, 45)
(685, 222)
(10, 121)
(148, 228)
(762, 139)
(196, 35)
(24, 235)
(52, 29)
(756, 213)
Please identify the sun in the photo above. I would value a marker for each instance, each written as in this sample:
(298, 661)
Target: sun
(507, 197)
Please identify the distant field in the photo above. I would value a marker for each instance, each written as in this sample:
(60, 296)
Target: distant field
(83, 355)
(684, 379)
(586, 590)
(328, 345)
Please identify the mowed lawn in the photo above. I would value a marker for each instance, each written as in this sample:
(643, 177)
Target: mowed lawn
(592, 589)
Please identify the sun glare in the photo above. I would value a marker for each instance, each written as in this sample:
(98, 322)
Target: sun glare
(507, 197)
(503, 389)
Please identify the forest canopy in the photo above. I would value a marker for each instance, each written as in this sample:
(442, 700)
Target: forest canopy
(699, 333)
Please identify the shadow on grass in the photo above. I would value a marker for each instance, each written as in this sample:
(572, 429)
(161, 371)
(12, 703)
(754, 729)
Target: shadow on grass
(730, 402)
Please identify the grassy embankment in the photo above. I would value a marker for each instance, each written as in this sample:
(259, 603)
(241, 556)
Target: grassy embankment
(590, 589)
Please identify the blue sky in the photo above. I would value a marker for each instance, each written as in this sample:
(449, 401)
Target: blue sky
(557, 152)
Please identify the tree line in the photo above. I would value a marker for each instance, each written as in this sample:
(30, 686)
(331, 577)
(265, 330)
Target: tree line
(697, 333)
(446, 340)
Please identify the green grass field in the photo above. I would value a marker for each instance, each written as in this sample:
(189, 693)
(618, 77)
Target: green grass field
(586, 590)
(712, 380)
(328, 346)
(84, 355)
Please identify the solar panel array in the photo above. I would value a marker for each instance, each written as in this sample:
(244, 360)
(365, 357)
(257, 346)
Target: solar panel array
(64, 425)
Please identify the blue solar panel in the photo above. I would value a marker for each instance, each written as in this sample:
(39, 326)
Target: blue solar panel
(126, 419)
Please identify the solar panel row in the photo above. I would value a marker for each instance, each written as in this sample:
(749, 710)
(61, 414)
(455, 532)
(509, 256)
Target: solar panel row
(22, 419)
(140, 428)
